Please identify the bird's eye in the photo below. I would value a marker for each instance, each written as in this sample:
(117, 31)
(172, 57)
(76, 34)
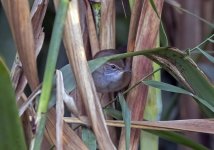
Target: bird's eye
(113, 66)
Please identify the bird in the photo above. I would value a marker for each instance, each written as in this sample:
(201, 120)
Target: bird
(113, 75)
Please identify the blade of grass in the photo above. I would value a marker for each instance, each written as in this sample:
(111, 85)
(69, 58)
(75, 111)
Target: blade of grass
(127, 119)
(49, 72)
(12, 135)
(179, 139)
(165, 86)
(208, 56)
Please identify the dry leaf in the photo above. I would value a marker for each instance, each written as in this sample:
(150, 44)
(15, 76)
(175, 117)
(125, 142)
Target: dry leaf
(70, 140)
(18, 15)
(76, 55)
(148, 28)
(193, 125)
(107, 24)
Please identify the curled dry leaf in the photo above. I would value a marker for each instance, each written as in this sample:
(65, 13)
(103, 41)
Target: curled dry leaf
(59, 110)
(18, 15)
(37, 16)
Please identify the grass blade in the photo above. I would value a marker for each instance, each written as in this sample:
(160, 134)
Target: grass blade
(165, 86)
(179, 139)
(127, 119)
(208, 56)
(49, 72)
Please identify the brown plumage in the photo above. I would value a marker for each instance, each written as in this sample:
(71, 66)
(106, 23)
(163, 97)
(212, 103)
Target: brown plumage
(113, 75)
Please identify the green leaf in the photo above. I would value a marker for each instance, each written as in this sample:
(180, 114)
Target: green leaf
(89, 138)
(208, 56)
(127, 119)
(211, 40)
(113, 113)
(49, 72)
(179, 139)
(154, 7)
(183, 68)
(165, 87)
(96, 8)
(148, 141)
(131, 3)
(11, 132)
(203, 43)
(175, 89)
(163, 35)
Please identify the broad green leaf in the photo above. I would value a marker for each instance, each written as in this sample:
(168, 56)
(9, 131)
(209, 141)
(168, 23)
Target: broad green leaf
(11, 132)
(175, 89)
(89, 138)
(179, 139)
(127, 119)
(182, 67)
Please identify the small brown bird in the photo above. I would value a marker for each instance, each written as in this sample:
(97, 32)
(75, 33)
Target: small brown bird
(113, 75)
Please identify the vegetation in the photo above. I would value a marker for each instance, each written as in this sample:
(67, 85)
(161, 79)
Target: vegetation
(62, 109)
